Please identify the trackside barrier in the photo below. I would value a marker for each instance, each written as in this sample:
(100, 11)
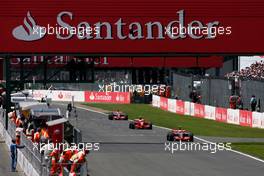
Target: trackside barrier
(180, 107)
(164, 103)
(187, 108)
(172, 105)
(225, 115)
(83, 96)
(233, 116)
(221, 115)
(57, 95)
(209, 112)
(155, 101)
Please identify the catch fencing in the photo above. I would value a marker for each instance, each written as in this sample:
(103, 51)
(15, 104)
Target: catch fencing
(216, 91)
(249, 88)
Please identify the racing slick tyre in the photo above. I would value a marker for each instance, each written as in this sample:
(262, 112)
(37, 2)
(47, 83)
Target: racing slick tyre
(191, 137)
(126, 117)
(150, 126)
(110, 117)
(131, 125)
(170, 137)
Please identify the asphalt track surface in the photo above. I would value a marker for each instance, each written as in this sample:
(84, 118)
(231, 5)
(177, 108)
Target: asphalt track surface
(126, 152)
(5, 164)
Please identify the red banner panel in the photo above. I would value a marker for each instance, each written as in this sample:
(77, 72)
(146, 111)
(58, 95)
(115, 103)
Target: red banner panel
(148, 62)
(245, 118)
(123, 62)
(199, 110)
(139, 26)
(180, 107)
(214, 61)
(221, 114)
(164, 103)
(110, 97)
(183, 62)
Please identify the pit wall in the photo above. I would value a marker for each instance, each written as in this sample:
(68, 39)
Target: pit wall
(22, 161)
(225, 115)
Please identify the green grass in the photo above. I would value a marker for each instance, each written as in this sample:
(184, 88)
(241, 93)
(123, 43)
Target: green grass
(198, 126)
(255, 149)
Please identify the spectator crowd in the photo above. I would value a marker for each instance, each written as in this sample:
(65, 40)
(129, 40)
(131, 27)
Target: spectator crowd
(255, 71)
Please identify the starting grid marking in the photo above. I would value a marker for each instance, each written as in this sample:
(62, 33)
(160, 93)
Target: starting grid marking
(200, 139)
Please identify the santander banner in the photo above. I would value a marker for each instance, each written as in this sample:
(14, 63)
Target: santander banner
(221, 114)
(107, 97)
(57, 95)
(147, 26)
(164, 103)
(199, 110)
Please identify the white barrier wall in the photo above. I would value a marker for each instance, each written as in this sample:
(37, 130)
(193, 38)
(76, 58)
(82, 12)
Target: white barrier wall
(262, 121)
(233, 116)
(209, 112)
(172, 105)
(156, 101)
(192, 109)
(57, 95)
(257, 119)
(187, 108)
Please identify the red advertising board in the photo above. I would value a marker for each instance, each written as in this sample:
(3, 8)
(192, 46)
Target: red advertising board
(221, 114)
(180, 107)
(139, 26)
(164, 103)
(199, 110)
(107, 97)
(245, 118)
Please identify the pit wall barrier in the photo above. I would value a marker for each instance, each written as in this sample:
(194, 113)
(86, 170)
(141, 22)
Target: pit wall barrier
(225, 115)
(83, 96)
(22, 161)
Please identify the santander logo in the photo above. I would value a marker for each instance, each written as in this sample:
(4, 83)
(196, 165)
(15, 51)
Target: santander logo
(60, 96)
(92, 96)
(26, 32)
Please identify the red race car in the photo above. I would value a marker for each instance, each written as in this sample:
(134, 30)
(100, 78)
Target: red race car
(117, 115)
(140, 124)
(180, 135)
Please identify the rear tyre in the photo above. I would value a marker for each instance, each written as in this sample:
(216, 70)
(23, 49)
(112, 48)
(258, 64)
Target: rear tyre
(110, 117)
(191, 137)
(170, 137)
(126, 117)
(131, 125)
(150, 126)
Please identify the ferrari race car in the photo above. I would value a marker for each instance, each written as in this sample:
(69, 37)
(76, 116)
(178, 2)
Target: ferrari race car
(117, 115)
(180, 135)
(140, 124)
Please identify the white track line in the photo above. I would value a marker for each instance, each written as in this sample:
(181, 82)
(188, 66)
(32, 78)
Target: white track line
(200, 139)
